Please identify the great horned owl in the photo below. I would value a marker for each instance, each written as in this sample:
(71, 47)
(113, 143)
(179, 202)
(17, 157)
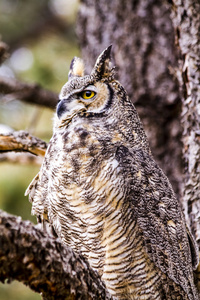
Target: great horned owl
(104, 195)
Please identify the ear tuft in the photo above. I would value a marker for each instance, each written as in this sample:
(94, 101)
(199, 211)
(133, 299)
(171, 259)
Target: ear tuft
(102, 66)
(77, 68)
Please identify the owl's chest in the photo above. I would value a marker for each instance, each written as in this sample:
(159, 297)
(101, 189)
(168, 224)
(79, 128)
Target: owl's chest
(83, 173)
(83, 186)
(81, 150)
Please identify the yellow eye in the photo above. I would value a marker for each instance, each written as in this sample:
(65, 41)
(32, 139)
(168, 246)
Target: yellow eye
(87, 94)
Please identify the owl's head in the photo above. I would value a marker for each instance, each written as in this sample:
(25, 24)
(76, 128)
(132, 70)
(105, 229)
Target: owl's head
(99, 98)
(88, 95)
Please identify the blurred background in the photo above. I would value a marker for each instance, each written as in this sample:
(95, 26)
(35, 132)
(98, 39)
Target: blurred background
(42, 40)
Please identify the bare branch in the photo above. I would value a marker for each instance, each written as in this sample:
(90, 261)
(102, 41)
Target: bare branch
(44, 264)
(22, 141)
(30, 93)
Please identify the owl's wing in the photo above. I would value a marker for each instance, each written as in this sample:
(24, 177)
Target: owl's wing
(160, 219)
(37, 196)
(38, 188)
(37, 191)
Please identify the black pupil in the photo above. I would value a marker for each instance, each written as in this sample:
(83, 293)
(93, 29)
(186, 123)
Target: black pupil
(88, 93)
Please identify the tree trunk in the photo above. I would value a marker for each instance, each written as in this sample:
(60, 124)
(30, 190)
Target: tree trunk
(142, 36)
(186, 20)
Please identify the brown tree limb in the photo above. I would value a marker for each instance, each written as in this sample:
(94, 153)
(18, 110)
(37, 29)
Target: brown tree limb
(20, 141)
(44, 264)
(27, 92)
(186, 20)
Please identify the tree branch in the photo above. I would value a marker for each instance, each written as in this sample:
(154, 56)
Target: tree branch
(27, 92)
(44, 264)
(22, 141)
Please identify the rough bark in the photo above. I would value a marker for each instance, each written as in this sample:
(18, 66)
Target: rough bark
(186, 20)
(143, 51)
(44, 264)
